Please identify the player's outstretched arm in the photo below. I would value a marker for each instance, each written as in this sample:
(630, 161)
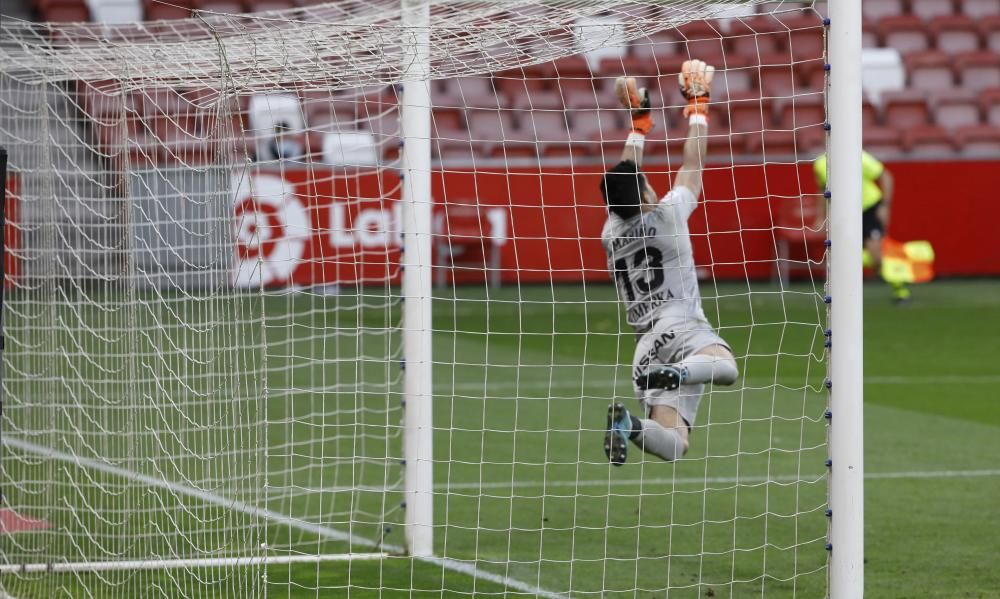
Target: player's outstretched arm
(636, 101)
(696, 83)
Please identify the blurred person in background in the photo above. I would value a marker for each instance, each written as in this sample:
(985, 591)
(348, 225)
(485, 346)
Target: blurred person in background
(876, 202)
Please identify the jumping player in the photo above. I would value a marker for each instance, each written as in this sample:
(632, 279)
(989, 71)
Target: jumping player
(651, 262)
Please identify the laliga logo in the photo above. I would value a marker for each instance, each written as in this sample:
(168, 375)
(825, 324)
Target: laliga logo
(272, 229)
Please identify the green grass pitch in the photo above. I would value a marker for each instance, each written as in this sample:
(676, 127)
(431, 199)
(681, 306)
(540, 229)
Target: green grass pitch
(522, 380)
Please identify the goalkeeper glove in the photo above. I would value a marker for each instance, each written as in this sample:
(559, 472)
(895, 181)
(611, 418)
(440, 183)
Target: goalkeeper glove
(695, 81)
(636, 100)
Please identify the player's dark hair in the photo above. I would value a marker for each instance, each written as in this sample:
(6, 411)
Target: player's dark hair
(622, 189)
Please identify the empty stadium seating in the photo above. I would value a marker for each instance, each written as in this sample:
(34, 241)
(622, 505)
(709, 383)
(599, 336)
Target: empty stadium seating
(906, 33)
(979, 141)
(976, 9)
(954, 34)
(905, 109)
(978, 70)
(989, 28)
(927, 9)
(956, 109)
(767, 67)
(930, 71)
(990, 104)
(928, 140)
(876, 9)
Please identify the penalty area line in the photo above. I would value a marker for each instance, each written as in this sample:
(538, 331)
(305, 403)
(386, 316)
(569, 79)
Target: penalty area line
(328, 532)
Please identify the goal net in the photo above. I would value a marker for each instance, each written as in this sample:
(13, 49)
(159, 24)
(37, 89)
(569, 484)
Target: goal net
(215, 379)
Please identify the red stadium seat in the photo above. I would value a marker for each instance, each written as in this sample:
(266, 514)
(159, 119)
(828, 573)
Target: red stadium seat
(869, 34)
(810, 141)
(978, 70)
(468, 92)
(882, 141)
(756, 36)
(702, 40)
(928, 9)
(777, 76)
(733, 75)
(811, 77)
(459, 147)
(549, 130)
(931, 71)
(662, 44)
(603, 95)
(269, 5)
(905, 33)
(748, 113)
(954, 34)
(979, 141)
(722, 144)
(876, 9)
(990, 28)
(523, 87)
(490, 126)
(869, 115)
(977, 9)
(633, 66)
(448, 119)
(226, 7)
(956, 109)
(605, 144)
(805, 38)
(801, 111)
(544, 125)
(585, 124)
(66, 13)
(928, 141)
(166, 12)
(989, 100)
(567, 87)
(771, 144)
(547, 100)
(575, 66)
(905, 109)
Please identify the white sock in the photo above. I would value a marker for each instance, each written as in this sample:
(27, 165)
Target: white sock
(701, 368)
(654, 438)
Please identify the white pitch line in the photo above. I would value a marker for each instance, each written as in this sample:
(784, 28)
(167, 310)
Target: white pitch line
(717, 480)
(252, 510)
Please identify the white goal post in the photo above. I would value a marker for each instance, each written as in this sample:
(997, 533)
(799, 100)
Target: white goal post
(846, 359)
(313, 302)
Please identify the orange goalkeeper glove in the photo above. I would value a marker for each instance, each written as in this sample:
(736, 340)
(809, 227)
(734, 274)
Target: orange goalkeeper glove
(695, 81)
(636, 100)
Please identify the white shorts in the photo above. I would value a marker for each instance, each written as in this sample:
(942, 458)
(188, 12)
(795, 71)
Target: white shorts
(668, 342)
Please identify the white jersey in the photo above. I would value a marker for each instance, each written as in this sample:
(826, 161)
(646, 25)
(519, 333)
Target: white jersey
(651, 262)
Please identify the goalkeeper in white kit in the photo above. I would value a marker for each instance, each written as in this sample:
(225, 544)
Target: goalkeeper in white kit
(650, 259)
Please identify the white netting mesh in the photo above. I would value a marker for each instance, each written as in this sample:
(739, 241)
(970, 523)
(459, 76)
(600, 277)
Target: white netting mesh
(202, 381)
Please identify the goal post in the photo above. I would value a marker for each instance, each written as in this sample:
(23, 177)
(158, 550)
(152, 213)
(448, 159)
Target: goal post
(846, 305)
(415, 128)
(315, 301)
